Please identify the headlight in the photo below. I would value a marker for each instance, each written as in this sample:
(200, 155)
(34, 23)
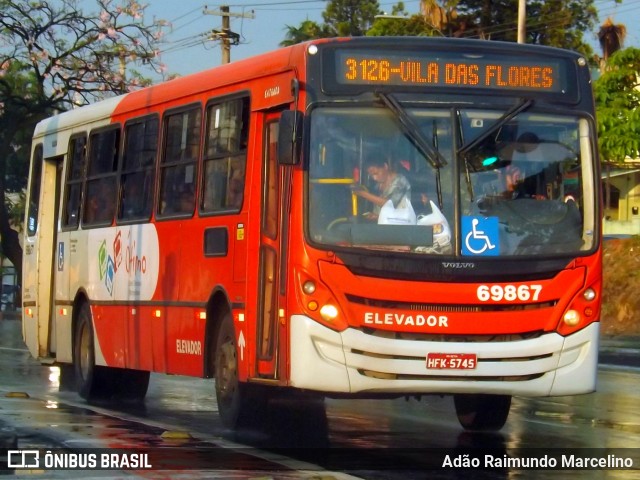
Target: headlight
(589, 294)
(309, 287)
(328, 312)
(571, 318)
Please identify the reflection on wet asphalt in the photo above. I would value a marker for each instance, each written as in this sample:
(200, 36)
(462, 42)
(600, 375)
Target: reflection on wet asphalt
(373, 439)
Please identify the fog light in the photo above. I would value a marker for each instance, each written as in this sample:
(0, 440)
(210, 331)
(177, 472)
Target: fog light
(571, 318)
(308, 287)
(589, 294)
(328, 312)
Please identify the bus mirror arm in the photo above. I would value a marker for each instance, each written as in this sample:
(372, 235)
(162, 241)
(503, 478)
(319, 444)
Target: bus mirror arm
(290, 137)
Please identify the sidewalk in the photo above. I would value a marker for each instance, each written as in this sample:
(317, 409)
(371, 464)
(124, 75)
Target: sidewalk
(620, 350)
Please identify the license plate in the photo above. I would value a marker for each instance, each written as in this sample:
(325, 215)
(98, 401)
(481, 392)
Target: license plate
(451, 361)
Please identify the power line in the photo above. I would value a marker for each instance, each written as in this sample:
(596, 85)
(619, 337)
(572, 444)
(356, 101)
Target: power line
(197, 9)
(270, 4)
(225, 35)
(605, 9)
(511, 26)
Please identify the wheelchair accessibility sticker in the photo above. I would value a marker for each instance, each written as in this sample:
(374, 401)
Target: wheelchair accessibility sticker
(480, 236)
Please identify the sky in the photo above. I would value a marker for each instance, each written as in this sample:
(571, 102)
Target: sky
(186, 51)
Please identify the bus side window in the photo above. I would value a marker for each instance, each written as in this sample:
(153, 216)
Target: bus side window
(100, 187)
(177, 189)
(179, 162)
(77, 155)
(225, 155)
(100, 205)
(34, 191)
(138, 169)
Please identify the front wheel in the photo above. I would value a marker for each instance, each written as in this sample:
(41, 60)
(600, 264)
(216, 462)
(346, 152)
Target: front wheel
(238, 403)
(482, 412)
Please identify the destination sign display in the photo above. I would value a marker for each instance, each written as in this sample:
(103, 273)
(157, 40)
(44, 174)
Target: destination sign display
(449, 69)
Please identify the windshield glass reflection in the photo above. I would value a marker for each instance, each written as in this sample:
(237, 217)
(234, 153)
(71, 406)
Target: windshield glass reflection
(523, 182)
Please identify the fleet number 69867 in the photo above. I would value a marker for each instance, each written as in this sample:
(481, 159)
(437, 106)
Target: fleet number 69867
(510, 293)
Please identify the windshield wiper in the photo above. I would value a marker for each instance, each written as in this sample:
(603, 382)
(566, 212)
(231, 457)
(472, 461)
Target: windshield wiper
(521, 106)
(412, 132)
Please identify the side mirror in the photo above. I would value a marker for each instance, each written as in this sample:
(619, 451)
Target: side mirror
(289, 137)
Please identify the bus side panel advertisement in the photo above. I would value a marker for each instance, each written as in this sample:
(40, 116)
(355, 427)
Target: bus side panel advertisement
(125, 263)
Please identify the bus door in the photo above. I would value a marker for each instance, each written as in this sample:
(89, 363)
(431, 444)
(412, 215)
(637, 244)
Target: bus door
(42, 256)
(271, 295)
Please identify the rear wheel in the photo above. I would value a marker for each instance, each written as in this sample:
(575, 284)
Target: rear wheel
(87, 374)
(482, 412)
(93, 381)
(239, 404)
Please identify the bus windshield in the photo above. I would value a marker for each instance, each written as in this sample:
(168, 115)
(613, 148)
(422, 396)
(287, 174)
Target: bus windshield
(509, 181)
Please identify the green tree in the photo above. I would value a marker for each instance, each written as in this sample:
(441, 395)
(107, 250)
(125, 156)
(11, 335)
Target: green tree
(557, 23)
(617, 97)
(350, 18)
(307, 30)
(401, 24)
(54, 57)
(415, 25)
(342, 18)
(18, 87)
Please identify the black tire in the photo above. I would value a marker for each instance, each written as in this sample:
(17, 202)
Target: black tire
(86, 372)
(239, 404)
(98, 382)
(482, 412)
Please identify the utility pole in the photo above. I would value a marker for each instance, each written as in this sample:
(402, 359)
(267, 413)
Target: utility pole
(522, 21)
(226, 36)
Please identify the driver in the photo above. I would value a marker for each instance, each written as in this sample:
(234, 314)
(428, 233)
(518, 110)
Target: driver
(391, 185)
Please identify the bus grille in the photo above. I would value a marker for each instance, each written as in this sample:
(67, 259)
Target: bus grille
(483, 378)
(450, 378)
(438, 337)
(447, 308)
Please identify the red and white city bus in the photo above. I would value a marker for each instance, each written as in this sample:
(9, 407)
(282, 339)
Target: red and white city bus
(215, 226)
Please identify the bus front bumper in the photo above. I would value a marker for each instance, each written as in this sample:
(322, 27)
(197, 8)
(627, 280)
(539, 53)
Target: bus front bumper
(354, 362)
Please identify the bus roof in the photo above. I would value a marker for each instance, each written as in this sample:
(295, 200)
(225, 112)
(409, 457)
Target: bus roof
(93, 113)
(266, 64)
(220, 76)
(172, 90)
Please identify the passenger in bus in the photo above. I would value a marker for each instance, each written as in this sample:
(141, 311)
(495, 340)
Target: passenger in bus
(391, 185)
(185, 199)
(526, 153)
(134, 203)
(235, 189)
(513, 180)
(101, 202)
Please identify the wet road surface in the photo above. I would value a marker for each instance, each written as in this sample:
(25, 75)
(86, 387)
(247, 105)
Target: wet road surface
(370, 439)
